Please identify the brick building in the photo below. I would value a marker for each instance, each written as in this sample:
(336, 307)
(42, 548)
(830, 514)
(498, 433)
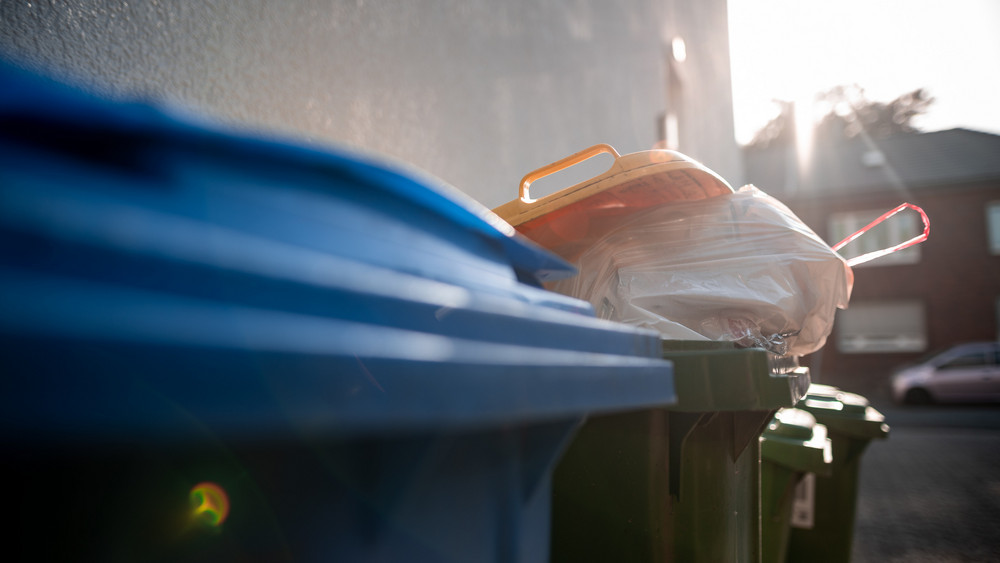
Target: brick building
(942, 292)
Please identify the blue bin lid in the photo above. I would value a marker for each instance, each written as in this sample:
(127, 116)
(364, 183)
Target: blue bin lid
(36, 109)
(164, 277)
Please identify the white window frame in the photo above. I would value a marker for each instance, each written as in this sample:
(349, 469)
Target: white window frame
(993, 227)
(879, 327)
(996, 312)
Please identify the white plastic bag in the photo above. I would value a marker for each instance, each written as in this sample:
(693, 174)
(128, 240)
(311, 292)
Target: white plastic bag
(739, 267)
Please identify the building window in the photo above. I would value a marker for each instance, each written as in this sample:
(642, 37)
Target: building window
(886, 326)
(993, 226)
(898, 228)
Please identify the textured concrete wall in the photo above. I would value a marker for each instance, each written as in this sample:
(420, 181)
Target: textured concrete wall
(475, 92)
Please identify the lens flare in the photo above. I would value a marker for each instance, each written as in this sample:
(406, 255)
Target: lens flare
(209, 503)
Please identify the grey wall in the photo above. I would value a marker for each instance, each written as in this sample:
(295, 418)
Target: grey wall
(475, 92)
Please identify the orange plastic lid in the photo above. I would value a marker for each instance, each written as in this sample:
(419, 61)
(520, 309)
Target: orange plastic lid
(572, 219)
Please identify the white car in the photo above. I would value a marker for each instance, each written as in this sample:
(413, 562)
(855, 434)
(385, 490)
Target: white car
(967, 373)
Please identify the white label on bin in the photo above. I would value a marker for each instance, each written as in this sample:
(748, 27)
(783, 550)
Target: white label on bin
(804, 504)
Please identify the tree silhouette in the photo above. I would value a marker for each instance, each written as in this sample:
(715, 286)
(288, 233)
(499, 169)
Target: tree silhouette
(850, 114)
(779, 131)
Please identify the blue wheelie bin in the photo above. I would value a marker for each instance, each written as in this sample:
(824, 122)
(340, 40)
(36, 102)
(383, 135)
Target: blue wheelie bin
(222, 347)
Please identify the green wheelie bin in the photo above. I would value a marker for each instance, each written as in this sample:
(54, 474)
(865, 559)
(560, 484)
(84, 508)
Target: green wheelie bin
(793, 445)
(679, 482)
(828, 528)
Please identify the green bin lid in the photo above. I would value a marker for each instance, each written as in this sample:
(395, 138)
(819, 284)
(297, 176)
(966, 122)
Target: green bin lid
(794, 439)
(718, 376)
(844, 412)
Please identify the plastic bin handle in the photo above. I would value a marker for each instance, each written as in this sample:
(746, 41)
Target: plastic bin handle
(878, 253)
(562, 165)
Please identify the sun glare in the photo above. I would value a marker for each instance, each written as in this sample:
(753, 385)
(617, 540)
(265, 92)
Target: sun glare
(209, 503)
(786, 49)
(805, 125)
(679, 49)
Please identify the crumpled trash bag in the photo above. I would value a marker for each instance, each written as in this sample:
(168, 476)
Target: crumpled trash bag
(739, 267)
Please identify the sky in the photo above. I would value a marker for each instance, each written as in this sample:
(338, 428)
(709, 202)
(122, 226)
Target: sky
(793, 49)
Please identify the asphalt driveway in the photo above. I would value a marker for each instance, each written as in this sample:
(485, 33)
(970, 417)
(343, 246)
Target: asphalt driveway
(931, 492)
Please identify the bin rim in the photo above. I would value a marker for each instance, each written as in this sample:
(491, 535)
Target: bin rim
(844, 412)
